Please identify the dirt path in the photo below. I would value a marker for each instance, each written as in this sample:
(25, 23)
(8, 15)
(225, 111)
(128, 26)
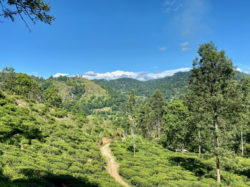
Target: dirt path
(112, 165)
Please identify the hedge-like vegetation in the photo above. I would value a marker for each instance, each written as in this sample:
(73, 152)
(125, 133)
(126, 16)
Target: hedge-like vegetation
(36, 149)
(155, 166)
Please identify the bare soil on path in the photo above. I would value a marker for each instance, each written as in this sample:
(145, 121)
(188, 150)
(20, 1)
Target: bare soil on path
(112, 165)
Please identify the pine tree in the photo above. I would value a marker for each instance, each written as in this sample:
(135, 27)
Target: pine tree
(209, 80)
(145, 120)
(245, 109)
(131, 106)
(157, 103)
(198, 118)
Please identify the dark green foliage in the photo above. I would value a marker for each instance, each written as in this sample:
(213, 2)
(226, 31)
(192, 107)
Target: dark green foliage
(31, 9)
(191, 164)
(2, 96)
(157, 103)
(17, 123)
(131, 103)
(60, 113)
(175, 125)
(50, 95)
(146, 120)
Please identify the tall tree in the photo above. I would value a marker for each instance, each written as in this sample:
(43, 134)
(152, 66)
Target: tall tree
(176, 124)
(145, 120)
(8, 77)
(245, 109)
(131, 106)
(198, 118)
(209, 80)
(157, 103)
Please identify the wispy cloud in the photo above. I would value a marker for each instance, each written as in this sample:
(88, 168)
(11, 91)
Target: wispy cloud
(172, 5)
(192, 19)
(164, 48)
(142, 76)
(185, 46)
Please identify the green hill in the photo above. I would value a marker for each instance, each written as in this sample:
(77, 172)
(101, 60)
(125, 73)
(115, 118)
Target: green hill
(45, 146)
(51, 132)
(170, 86)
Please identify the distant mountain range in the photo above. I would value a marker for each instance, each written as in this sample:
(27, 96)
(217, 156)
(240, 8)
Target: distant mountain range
(170, 86)
(142, 76)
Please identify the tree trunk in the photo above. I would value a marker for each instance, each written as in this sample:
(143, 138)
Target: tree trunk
(242, 143)
(159, 128)
(134, 145)
(133, 135)
(199, 136)
(217, 147)
(21, 146)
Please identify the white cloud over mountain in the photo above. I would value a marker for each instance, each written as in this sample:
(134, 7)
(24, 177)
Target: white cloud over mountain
(142, 76)
(60, 75)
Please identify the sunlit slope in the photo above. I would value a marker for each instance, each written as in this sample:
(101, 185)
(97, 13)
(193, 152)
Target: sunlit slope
(43, 146)
(90, 88)
(155, 166)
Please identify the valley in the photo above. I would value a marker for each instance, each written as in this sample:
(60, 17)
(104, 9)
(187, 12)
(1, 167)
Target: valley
(58, 131)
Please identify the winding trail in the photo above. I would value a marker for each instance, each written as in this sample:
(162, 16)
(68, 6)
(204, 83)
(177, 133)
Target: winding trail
(112, 165)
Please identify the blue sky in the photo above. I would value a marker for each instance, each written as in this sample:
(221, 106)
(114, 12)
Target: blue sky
(98, 36)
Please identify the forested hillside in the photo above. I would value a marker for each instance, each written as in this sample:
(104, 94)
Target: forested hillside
(190, 129)
(170, 86)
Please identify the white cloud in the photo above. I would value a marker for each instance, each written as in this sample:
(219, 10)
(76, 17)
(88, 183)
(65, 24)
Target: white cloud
(60, 75)
(164, 48)
(246, 71)
(142, 76)
(238, 69)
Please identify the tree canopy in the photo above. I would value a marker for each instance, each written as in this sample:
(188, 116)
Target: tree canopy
(34, 10)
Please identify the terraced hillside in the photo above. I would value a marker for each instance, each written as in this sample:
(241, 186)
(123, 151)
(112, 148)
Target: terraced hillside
(44, 146)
